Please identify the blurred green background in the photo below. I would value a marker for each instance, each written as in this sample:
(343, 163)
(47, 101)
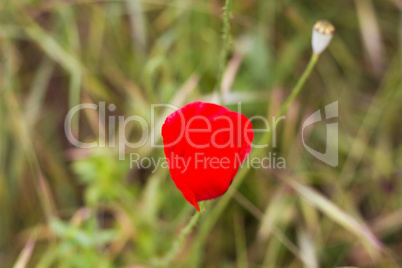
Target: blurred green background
(61, 206)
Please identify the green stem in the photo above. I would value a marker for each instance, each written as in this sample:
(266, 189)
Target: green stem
(299, 84)
(225, 48)
(177, 245)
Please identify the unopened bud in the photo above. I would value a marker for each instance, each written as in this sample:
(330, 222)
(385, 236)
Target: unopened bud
(322, 35)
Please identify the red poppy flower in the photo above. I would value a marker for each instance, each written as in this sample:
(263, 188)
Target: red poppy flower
(204, 145)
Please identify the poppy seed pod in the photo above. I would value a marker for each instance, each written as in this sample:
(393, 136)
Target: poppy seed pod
(322, 35)
(205, 144)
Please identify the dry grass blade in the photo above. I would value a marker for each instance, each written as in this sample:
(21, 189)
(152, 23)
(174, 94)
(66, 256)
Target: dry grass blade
(371, 33)
(25, 255)
(308, 251)
(333, 211)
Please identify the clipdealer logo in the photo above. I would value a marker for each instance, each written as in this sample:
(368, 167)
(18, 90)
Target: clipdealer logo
(330, 156)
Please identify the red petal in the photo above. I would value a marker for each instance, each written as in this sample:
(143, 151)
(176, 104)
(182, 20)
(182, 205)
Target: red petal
(232, 134)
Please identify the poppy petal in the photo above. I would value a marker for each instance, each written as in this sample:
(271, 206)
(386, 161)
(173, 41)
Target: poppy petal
(197, 139)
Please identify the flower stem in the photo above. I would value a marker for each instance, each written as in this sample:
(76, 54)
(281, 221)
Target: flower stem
(225, 48)
(285, 106)
(177, 245)
(299, 84)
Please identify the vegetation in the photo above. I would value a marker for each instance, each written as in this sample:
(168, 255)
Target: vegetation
(63, 206)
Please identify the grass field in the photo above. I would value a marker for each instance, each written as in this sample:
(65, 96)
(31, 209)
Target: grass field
(63, 206)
